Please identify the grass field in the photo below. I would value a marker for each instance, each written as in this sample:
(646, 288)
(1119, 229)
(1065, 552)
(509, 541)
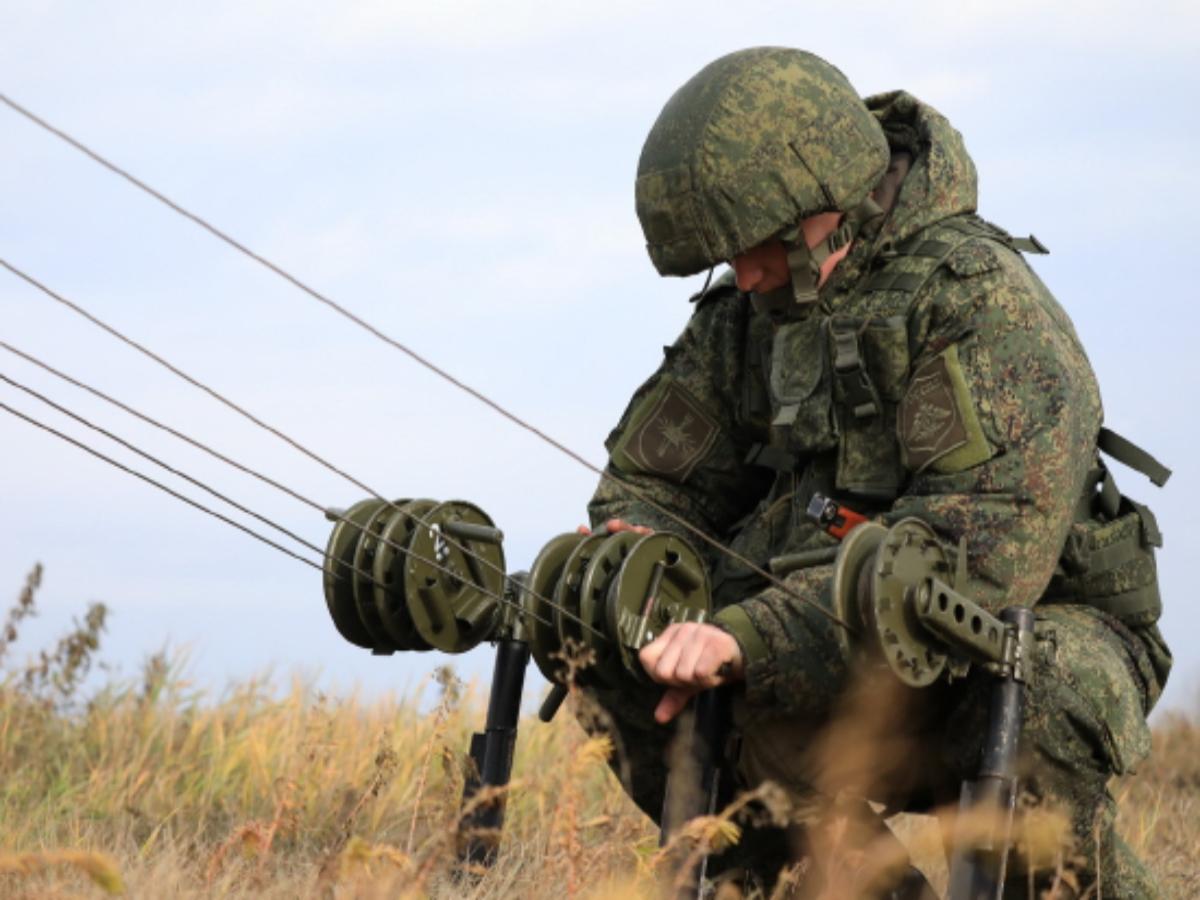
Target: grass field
(155, 791)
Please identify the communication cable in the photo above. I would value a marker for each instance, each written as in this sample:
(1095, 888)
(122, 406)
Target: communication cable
(416, 357)
(295, 494)
(270, 481)
(226, 519)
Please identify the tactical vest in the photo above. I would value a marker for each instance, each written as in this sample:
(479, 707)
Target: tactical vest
(833, 385)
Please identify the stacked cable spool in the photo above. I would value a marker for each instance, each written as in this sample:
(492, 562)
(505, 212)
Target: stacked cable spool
(611, 594)
(414, 575)
(421, 575)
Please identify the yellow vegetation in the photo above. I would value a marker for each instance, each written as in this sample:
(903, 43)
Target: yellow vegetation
(162, 792)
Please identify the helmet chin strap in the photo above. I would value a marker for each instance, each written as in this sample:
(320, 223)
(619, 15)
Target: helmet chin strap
(805, 262)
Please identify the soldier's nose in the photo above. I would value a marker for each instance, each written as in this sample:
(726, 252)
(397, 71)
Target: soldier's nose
(746, 273)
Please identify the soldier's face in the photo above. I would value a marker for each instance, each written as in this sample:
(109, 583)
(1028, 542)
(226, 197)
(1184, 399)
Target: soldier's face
(763, 268)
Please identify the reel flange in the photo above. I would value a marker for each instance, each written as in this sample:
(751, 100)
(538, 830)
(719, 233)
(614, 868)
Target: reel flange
(390, 602)
(663, 581)
(414, 575)
(364, 577)
(454, 575)
(544, 576)
(339, 577)
(878, 577)
(570, 582)
(598, 578)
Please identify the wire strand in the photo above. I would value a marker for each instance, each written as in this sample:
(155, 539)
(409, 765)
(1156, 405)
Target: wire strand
(149, 420)
(221, 398)
(308, 545)
(500, 598)
(413, 355)
(162, 487)
(273, 483)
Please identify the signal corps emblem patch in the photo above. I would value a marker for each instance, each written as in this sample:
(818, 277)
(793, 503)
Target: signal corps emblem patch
(669, 435)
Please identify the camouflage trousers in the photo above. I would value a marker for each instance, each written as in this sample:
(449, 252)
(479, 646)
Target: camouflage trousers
(1084, 723)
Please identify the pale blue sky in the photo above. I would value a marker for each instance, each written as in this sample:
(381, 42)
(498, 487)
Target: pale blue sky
(461, 174)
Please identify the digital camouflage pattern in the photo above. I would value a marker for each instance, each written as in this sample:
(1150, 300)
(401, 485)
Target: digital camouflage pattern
(754, 142)
(938, 378)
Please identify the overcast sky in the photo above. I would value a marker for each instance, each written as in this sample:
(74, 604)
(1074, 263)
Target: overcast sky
(461, 174)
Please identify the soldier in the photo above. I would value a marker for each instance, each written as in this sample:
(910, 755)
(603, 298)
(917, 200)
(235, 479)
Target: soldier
(877, 342)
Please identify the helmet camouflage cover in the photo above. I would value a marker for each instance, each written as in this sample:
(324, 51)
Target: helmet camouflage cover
(755, 142)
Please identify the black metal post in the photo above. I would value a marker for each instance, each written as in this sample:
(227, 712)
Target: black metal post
(698, 783)
(492, 753)
(987, 803)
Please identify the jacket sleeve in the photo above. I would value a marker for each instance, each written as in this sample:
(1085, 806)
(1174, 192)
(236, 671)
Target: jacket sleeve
(997, 431)
(681, 443)
(1031, 412)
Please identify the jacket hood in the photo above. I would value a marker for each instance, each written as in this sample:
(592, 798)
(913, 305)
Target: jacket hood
(942, 181)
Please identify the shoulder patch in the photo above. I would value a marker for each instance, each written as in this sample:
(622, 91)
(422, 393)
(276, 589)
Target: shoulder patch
(974, 257)
(669, 433)
(937, 423)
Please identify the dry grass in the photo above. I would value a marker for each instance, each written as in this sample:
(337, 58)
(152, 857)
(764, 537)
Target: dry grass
(1160, 807)
(155, 791)
(261, 795)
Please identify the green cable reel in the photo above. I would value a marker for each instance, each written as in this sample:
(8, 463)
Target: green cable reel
(878, 584)
(612, 594)
(339, 578)
(414, 575)
(422, 575)
(454, 577)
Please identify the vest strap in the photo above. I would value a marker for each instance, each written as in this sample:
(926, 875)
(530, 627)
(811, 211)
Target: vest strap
(928, 249)
(1126, 451)
(770, 456)
(894, 281)
(858, 393)
(1028, 245)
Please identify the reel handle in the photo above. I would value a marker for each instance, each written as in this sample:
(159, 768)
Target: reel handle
(467, 531)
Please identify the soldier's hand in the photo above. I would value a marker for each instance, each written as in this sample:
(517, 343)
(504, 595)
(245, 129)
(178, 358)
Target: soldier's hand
(617, 525)
(689, 657)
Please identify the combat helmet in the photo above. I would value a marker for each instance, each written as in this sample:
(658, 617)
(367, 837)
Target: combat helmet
(754, 143)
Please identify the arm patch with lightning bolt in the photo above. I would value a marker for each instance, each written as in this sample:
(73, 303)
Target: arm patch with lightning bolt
(668, 434)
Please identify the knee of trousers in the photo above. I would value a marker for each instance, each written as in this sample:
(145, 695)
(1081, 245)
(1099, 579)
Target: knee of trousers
(774, 749)
(1085, 708)
(1084, 720)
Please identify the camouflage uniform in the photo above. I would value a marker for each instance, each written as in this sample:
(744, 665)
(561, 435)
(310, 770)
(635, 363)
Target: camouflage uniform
(935, 376)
